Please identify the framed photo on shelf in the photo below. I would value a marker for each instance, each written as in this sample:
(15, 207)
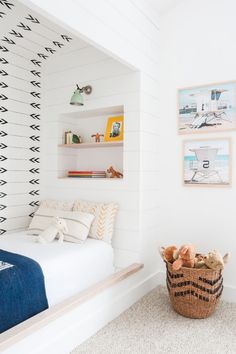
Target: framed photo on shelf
(115, 129)
(207, 108)
(207, 162)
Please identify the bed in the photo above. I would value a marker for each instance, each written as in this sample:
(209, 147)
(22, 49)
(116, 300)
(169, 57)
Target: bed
(68, 268)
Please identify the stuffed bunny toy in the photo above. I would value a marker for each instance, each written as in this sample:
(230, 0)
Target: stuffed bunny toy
(186, 257)
(58, 227)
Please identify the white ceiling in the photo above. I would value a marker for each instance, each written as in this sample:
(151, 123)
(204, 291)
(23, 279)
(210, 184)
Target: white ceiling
(163, 6)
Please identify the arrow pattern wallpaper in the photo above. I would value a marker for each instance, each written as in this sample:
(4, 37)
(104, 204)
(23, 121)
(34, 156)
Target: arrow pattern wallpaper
(26, 42)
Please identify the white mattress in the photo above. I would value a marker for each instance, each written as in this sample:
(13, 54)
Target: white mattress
(68, 267)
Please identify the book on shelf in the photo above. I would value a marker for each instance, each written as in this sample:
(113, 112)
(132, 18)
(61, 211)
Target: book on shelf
(87, 174)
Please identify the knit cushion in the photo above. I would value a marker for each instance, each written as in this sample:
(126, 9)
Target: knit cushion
(104, 218)
(57, 204)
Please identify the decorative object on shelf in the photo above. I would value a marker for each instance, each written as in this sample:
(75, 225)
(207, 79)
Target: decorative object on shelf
(71, 138)
(114, 129)
(65, 137)
(76, 139)
(194, 291)
(68, 137)
(112, 173)
(87, 174)
(207, 162)
(77, 98)
(207, 108)
(97, 137)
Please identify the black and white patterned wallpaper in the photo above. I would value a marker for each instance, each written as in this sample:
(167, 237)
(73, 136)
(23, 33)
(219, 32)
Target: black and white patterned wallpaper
(26, 41)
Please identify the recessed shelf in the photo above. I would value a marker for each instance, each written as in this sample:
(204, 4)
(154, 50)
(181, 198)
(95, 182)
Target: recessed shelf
(88, 155)
(93, 145)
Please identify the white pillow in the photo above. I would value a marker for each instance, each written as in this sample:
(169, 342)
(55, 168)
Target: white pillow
(78, 223)
(57, 204)
(104, 218)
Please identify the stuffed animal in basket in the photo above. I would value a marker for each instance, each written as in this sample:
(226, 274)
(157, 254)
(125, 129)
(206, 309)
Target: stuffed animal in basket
(57, 228)
(186, 257)
(169, 254)
(215, 261)
(199, 261)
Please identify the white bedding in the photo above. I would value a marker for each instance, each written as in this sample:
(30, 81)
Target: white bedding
(68, 267)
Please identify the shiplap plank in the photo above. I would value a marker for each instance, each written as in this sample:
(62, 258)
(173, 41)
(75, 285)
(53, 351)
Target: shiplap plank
(106, 68)
(127, 31)
(135, 16)
(76, 59)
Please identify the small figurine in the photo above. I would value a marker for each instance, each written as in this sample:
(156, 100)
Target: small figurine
(113, 173)
(97, 137)
(76, 139)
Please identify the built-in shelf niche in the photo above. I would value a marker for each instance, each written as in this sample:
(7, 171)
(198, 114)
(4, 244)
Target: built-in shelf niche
(88, 155)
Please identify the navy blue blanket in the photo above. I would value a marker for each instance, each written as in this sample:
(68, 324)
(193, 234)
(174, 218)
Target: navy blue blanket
(22, 289)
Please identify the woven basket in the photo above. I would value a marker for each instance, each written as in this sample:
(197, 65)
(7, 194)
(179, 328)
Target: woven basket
(193, 292)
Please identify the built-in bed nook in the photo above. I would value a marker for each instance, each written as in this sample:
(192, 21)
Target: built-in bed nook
(69, 227)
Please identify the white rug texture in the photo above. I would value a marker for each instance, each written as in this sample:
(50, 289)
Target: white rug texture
(150, 326)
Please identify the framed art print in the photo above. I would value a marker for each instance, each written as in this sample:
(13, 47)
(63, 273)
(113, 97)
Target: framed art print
(114, 129)
(207, 162)
(207, 108)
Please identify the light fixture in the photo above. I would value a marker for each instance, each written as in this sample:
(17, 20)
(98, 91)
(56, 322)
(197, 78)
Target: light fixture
(77, 98)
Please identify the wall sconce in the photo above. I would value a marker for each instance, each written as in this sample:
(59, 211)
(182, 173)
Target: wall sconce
(77, 98)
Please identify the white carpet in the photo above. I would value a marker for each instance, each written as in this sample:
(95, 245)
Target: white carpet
(151, 327)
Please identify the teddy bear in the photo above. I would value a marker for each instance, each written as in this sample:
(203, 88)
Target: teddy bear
(169, 254)
(186, 257)
(58, 227)
(215, 261)
(199, 261)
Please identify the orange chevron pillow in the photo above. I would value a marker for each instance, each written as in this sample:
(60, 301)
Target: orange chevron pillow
(102, 227)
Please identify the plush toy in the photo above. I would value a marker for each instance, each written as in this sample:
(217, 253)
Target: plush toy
(215, 261)
(186, 257)
(58, 227)
(169, 254)
(199, 261)
(113, 173)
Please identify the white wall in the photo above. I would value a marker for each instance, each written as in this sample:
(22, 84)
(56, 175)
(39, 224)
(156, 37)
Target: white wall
(198, 47)
(113, 85)
(129, 31)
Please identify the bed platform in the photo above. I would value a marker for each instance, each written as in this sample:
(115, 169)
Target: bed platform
(68, 268)
(32, 325)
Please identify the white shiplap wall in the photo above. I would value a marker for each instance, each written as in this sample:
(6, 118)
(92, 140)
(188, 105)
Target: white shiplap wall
(113, 85)
(127, 30)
